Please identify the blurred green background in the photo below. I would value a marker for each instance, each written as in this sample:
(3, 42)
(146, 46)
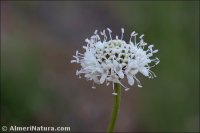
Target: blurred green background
(39, 86)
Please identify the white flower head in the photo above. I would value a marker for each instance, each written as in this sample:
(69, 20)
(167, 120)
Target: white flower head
(111, 60)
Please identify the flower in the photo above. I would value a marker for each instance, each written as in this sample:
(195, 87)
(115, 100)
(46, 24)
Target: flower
(111, 60)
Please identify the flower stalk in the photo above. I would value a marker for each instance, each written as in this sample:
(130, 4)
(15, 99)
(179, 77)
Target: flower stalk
(116, 106)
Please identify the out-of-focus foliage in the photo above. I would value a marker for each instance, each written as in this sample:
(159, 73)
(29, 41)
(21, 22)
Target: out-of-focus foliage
(39, 86)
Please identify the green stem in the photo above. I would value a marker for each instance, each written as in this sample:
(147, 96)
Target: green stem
(116, 105)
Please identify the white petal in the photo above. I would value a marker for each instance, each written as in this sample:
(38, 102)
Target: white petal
(115, 63)
(126, 71)
(132, 64)
(113, 79)
(121, 75)
(100, 70)
(130, 79)
(103, 77)
(149, 54)
(96, 80)
(144, 71)
(100, 45)
(134, 71)
(105, 66)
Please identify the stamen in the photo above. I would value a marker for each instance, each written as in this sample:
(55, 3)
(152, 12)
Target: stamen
(95, 32)
(73, 61)
(104, 34)
(138, 81)
(141, 36)
(114, 93)
(85, 47)
(109, 30)
(132, 34)
(126, 88)
(109, 33)
(98, 38)
(117, 37)
(157, 61)
(87, 40)
(135, 37)
(80, 54)
(150, 75)
(122, 33)
(108, 83)
(153, 74)
(150, 46)
(76, 52)
(155, 51)
(75, 57)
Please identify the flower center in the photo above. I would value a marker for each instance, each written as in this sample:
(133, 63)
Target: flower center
(114, 50)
